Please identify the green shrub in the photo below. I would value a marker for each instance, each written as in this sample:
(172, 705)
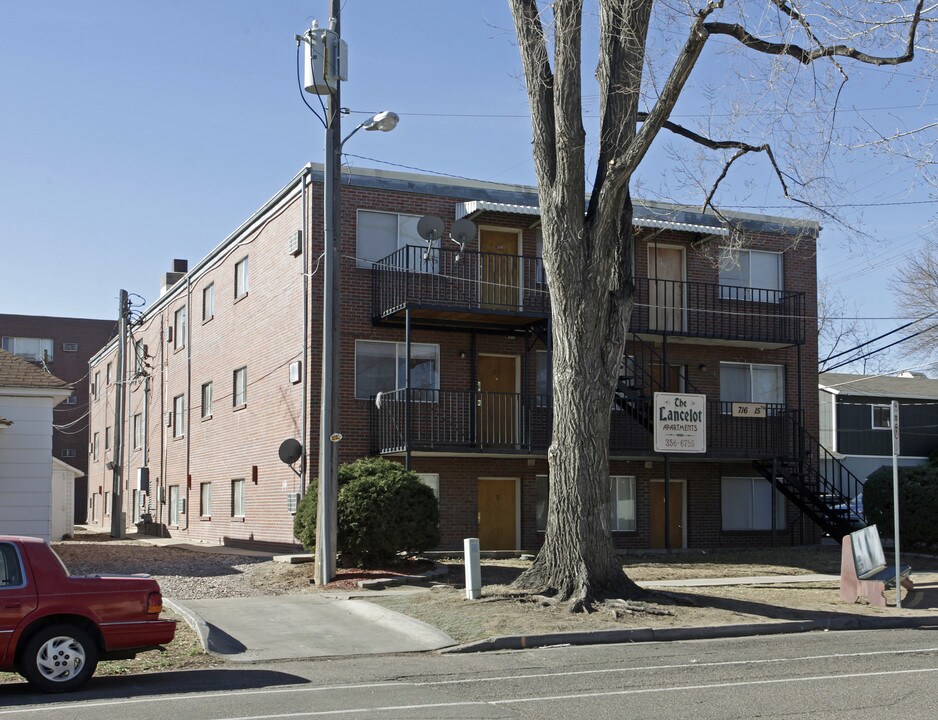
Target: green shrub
(918, 504)
(383, 509)
(304, 522)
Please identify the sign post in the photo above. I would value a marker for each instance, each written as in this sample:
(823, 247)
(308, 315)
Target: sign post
(894, 422)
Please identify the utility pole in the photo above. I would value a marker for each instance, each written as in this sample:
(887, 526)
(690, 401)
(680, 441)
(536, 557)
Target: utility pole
(329, 419)
(117, 462)
(325, 69)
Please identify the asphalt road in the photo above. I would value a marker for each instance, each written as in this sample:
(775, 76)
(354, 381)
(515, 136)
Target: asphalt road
(884, 673)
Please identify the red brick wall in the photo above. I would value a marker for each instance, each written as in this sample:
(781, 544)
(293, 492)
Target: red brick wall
(264, 332)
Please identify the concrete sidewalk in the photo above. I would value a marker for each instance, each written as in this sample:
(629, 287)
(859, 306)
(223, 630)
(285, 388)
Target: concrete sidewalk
(283, 627)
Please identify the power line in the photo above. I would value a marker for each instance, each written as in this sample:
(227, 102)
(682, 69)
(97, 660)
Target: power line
(886, 347)
(857, 347)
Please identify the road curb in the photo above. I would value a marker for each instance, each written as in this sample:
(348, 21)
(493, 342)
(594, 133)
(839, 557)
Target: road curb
(635, 635)
(193, 620)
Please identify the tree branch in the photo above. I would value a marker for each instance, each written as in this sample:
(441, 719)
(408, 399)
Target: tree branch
(622, 167)
(806, 57)
(742, 148)
(533, 45)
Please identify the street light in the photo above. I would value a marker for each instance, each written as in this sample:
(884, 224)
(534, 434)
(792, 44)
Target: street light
(329, 435)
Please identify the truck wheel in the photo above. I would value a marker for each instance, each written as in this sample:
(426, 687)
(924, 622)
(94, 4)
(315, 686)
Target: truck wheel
(59, 658)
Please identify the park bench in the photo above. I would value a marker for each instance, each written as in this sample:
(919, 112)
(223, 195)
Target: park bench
(863, 569)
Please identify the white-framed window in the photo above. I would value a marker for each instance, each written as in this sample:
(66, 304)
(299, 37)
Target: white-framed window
(380, 234)
(747, 504)
(205, 499)
(881, 417)
(136, 502)
(35, 349)
(237, 497)
(71, 400)
(382, 367)
(95, 444)
(745, 382)
(541, 498)
(539, 276)
(208, 302)
(206, 400)
(432, 481)
(543, 388)
(107, 374)
(107, 438)
(239, 395)
(179, 328)
(139, 357)
(96, 387)
(241, 278)
(69, 452)
(179, 416)
(750, 275)
(138, 431)
(107, 503)
(174, 505)
(622, 503)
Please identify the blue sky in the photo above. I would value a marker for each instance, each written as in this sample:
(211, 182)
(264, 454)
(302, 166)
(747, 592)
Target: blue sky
(134, 133)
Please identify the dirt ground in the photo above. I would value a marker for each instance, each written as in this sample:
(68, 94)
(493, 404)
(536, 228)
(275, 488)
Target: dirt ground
(185, 573)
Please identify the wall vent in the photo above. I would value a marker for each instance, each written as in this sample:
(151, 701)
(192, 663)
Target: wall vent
(69, 347)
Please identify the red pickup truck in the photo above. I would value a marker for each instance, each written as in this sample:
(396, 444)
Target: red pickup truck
(55, 627)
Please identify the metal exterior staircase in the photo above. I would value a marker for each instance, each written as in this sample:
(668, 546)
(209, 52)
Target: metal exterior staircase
(819, 485)
(815, 481)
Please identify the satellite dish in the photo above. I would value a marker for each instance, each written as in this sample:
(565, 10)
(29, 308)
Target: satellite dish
(463, 231)
(290, 451)
(430, 227)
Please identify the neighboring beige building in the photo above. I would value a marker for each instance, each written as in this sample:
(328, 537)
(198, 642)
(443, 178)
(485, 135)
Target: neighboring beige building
(31, 501)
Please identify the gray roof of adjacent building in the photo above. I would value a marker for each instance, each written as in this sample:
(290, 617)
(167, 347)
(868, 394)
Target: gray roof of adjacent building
(881, 386)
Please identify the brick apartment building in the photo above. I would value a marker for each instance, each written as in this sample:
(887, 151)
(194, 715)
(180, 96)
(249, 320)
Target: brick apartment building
(64, 345)
(445, 366)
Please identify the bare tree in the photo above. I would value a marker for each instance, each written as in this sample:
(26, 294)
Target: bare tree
(845, 342)
(916, 290)
(588, 241)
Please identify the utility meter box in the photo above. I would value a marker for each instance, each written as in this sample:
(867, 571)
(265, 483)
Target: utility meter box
(325, 60)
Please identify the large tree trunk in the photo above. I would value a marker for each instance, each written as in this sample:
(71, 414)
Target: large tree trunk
(578, 562)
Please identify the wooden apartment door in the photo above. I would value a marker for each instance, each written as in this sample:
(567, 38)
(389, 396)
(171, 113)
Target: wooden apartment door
(497, 401)
(675, 375)
(497, 514)
(676, 529)
(498, 269)
(666, 288)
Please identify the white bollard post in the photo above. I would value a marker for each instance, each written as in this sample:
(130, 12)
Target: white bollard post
(473, 570)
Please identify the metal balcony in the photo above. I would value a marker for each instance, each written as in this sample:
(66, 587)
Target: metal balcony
(444, 421)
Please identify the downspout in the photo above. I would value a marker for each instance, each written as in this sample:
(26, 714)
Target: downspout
(188, 389)
(307, 269)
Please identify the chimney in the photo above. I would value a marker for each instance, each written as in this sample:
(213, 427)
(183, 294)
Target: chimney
(180, 268)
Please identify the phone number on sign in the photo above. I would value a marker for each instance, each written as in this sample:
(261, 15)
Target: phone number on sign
(679, 443)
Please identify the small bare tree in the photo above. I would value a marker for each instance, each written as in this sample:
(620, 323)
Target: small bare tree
(588, 241)
(916, 290)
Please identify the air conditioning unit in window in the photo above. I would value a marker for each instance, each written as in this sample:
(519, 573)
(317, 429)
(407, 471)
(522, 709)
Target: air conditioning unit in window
(69, 347)
(293, 499)
(295, 243)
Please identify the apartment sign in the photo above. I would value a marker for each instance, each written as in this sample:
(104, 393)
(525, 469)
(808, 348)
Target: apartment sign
(680, 423)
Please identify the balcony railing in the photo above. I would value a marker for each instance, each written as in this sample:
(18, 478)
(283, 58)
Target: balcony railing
(695, 309)
(458, 421)
(454, 280)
